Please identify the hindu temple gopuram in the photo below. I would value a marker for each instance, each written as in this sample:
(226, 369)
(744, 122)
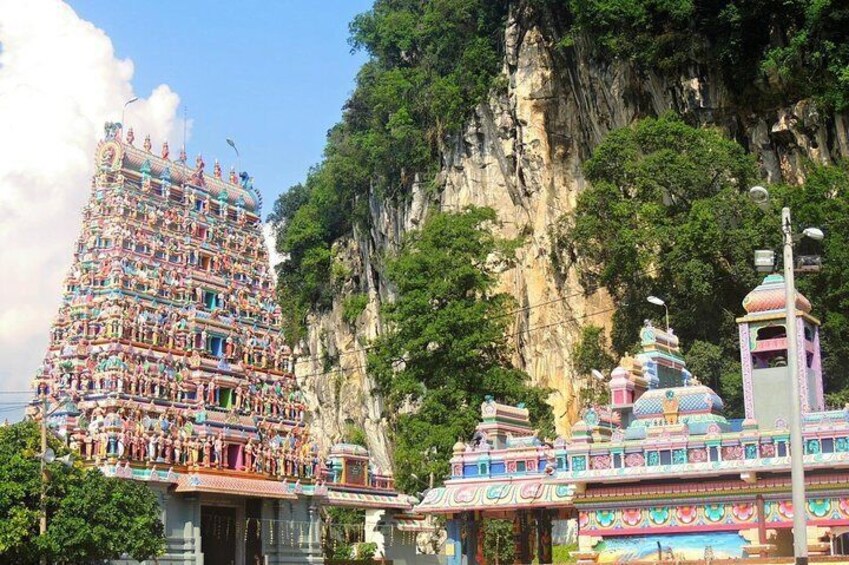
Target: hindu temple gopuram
(166, 365)
(660, 472)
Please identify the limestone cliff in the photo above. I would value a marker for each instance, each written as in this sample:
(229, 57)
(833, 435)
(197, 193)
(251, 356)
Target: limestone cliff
(521, 154)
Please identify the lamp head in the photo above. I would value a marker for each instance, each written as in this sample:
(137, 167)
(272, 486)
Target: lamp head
(760, 196)
(598, 374)
(131, 100)
(656, 301)
(48, 456)
(813, 233)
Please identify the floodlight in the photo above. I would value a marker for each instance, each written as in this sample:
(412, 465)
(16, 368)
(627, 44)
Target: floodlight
(813, 233)
(764, 260)
(760, 196)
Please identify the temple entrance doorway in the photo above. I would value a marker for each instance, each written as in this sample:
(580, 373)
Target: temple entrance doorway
(253, 537)
(218, 535)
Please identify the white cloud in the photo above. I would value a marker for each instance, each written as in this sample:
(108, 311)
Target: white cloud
(59, 82)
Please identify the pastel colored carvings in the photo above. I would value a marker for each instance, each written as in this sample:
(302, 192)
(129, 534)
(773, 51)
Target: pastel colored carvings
(167, 347)
(605, 522)
(638, 464)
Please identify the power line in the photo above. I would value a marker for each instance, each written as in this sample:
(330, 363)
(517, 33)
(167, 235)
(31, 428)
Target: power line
(585, 291)
(570, 319)
(527, 330)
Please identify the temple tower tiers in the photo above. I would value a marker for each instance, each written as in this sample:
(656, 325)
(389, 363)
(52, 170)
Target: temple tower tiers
(763, 354)
(166, 364)
(658, 365)
(166, 348)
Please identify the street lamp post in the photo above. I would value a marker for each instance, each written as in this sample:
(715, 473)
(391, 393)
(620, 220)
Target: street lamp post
(797, 462)
(124, 109)
(46, 457)
(42, 522)
(797, 449)
(232, 144)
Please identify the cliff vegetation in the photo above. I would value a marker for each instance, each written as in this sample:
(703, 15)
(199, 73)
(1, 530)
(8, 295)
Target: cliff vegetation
(615, 141)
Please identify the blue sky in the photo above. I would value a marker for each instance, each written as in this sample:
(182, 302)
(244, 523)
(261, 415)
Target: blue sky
(271, 75)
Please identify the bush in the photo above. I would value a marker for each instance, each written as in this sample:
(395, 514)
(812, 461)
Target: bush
(353, 306)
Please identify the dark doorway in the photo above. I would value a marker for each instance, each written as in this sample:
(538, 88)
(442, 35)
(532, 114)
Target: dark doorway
(218, 535)
(253, 541)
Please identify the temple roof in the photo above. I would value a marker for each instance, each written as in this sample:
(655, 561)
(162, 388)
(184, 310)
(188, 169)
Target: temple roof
(769, 296)
(697, 399)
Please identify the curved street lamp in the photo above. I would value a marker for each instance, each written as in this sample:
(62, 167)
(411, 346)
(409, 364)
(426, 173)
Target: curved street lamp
(124, 109)
(660, 302)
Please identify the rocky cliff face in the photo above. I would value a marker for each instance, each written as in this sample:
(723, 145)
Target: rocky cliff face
(521, 154)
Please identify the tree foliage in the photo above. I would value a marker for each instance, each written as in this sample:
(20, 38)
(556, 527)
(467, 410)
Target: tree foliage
(446, 346)
(771, 50)
(91, 518)
(498, 546)
(668, 214)
(592, 353)
(430, 64)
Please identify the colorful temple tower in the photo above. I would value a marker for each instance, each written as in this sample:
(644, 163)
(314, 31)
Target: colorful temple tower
(660, 473)
(166, 364)
(763, 354)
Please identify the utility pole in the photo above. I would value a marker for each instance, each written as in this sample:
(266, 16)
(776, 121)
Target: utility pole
(797, 449)
(763, 260)
(42, 526)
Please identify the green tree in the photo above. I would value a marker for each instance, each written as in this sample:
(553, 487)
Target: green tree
(429, 64)
(498, 547)
(592, 353)
(668, 214)
(717, 367)
(343, 528)
(770, 51)
(446, 349)
(91, 518)
(823, 201)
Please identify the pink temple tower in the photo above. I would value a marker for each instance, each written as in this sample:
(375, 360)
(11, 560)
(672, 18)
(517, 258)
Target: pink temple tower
(763, 354)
